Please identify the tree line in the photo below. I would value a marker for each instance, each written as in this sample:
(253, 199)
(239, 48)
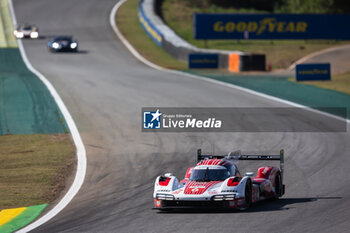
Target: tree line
(281, 6)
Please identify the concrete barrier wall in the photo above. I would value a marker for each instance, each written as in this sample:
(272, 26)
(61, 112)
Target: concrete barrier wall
(166, 38)
(151, 30)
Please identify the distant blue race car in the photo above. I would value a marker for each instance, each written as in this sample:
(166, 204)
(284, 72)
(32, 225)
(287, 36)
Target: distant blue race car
(62, 44)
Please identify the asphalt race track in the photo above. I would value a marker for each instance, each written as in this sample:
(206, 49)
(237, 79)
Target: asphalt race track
(104, 87)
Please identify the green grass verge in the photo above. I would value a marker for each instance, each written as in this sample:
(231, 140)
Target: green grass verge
(279, 53)
(34, 168)
(7, 39)
(130, 27)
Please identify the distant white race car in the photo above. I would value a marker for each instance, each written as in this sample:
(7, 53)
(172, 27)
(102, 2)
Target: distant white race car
(26, 31)
(215, 182)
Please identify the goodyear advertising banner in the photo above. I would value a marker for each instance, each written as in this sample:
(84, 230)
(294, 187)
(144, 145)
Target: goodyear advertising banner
(271, 26)
(312, 72)
(203, 61)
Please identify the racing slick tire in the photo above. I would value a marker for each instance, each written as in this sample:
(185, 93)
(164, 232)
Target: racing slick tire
(278, 186)
(247, 195)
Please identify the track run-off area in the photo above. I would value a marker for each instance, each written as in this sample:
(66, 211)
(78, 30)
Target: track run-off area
(104, 88)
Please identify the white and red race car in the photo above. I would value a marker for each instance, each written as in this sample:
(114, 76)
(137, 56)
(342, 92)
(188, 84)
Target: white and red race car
(216, 183)
(26, 31)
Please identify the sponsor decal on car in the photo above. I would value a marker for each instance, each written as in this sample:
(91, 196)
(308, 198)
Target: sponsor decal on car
(195, 189)
(178, 191)
(213, 192)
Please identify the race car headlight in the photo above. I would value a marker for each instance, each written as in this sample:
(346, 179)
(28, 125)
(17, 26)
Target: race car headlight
(218, 198)
(55, 45)
(167, 197)
(34, 35)
(73, 45)
(228, 197)
(19, 34)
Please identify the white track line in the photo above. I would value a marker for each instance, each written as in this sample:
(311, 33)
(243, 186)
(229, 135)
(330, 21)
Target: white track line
(81, 153)
(152, 65)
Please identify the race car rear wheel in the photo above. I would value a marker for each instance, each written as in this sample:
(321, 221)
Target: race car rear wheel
(278, 185)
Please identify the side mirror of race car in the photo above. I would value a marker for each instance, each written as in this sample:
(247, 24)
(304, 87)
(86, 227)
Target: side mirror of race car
(249, 174)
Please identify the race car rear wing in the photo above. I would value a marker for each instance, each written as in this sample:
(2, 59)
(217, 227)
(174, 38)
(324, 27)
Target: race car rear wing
(236, 155)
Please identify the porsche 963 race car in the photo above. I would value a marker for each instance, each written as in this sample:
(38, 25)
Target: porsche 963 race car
(215, 182)
(26, 31)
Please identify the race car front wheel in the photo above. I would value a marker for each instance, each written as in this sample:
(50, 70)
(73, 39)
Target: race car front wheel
(248, 194)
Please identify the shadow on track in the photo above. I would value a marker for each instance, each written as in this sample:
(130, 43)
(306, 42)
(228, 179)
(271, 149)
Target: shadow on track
(71, 52)
(263, 206)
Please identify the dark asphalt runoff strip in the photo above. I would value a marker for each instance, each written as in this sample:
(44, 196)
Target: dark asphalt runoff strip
(105, 87)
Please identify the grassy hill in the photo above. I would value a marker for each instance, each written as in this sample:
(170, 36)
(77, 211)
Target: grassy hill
(279, 53)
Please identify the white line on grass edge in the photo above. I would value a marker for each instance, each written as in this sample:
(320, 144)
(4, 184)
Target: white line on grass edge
(314, 54)
(81, 153)
(154, 66)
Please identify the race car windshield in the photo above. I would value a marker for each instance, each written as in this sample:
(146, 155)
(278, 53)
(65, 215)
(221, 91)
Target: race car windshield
(209, 174)
(63, 39)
